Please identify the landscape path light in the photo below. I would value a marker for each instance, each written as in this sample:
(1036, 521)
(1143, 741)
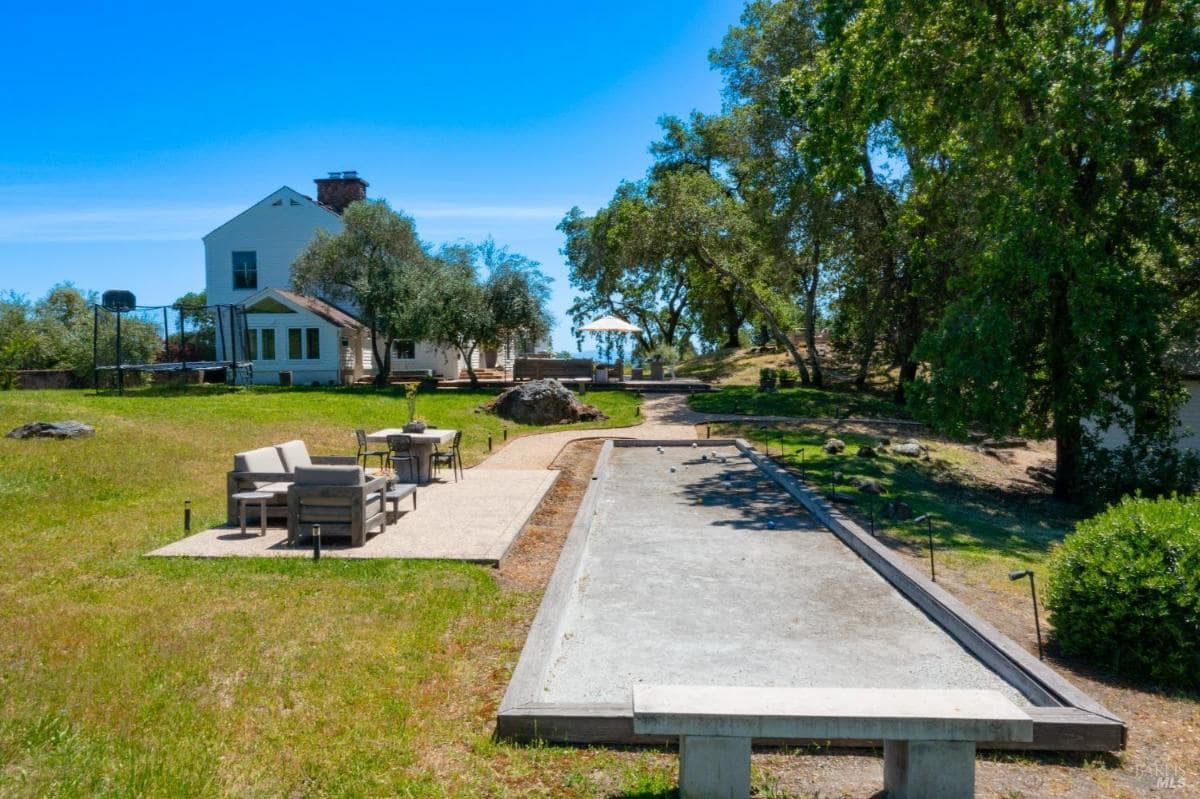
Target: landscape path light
(928, 520)
(1017, 575)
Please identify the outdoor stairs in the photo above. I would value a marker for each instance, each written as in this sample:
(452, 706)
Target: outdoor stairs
(484, 374)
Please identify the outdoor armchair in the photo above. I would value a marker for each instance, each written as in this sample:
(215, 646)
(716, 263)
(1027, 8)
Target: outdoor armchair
(341, 499)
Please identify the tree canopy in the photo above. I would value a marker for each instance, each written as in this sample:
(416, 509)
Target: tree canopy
(378, 267)
(997, 201)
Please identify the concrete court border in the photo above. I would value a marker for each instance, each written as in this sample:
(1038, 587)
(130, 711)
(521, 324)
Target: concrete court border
(1064, 717)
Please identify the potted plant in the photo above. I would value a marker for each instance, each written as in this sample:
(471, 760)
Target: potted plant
(766, 379)
(410, 397)
(787, 378)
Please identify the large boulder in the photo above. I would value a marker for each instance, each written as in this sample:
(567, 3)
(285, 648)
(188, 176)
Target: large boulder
(911, 448)
(543, 402)
(67, 429)
(834, 446)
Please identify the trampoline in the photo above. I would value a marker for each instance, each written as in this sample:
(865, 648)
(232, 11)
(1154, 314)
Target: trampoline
(128, 338)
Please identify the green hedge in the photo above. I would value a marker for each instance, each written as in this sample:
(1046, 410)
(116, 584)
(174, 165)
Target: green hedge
(1124, 590)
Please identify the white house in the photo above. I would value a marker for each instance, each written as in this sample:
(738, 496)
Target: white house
(1187, 415)
(248, 262)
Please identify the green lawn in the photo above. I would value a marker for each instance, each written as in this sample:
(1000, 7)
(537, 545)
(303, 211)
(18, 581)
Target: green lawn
(122, 675)
(801, 402)
(976, 527)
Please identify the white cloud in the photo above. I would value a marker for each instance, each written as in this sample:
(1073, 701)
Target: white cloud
(473, 212)
(111, 224)
(21, 225)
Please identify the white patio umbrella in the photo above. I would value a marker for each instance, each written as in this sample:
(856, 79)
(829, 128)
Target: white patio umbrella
(610, 324)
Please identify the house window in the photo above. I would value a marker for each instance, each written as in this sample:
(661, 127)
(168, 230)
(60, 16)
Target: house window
(294, 353)
(267, 351)
(313, 336)
(405, 350)
(245, 269)
(252, 344)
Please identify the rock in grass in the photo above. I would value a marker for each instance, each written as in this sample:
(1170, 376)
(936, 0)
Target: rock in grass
(834, 446)
(870, 486)
(867, 452)
(67, 429)
(543, 402)
(909, 449)
(896, 509)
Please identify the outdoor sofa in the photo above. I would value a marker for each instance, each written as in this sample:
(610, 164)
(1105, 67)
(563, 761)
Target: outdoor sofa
(272, 470)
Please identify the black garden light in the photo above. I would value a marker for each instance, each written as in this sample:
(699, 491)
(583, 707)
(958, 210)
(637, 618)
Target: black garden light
(928, 520)
(187, 515)
(316, 537)
(1017, 575)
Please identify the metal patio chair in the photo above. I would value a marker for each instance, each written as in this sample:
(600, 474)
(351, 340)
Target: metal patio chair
(400, 450)
(451, 457)
(365, 452)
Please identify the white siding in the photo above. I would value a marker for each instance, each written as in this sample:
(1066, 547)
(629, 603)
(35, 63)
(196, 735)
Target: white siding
(1189, 416)
(1188, 422)
(304, 370)
(443, 363)
(276, 233)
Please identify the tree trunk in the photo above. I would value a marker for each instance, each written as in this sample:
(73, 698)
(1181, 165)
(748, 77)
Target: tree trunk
(810, 318)
(1068, 423)
(769, 320)
(733, 321)
(868, 350)
(466, 354)
(382, 362)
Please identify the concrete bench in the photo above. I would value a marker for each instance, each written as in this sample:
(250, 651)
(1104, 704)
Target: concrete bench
(928, 736)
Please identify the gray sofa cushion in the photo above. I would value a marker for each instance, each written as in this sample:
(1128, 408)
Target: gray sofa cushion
(264, 460)
(329, 475)
(293, 455)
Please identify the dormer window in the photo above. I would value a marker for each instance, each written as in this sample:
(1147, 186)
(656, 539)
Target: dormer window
(245, 269)
(277, 204)
(293, 202)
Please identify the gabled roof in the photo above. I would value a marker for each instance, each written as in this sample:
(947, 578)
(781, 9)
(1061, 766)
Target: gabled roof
(286, 191)
(325, 310)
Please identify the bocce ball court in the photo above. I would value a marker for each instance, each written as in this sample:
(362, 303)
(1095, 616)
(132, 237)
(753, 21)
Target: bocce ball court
(705, 564)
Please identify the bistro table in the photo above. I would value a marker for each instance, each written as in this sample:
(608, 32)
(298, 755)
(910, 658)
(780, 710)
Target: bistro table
(422, 445)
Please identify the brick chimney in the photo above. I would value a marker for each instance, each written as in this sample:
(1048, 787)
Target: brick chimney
(340, 189)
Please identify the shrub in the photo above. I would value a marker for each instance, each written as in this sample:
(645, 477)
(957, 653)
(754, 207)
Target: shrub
(766, 379)
(1124, 590)
(1149, 468)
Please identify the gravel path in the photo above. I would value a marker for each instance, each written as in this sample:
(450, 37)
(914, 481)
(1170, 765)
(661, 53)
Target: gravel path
(663, 416)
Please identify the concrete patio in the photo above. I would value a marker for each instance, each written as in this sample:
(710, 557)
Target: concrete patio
(475, 520)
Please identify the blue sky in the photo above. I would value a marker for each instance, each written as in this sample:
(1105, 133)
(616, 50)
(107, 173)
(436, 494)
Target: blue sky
(127, 133)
